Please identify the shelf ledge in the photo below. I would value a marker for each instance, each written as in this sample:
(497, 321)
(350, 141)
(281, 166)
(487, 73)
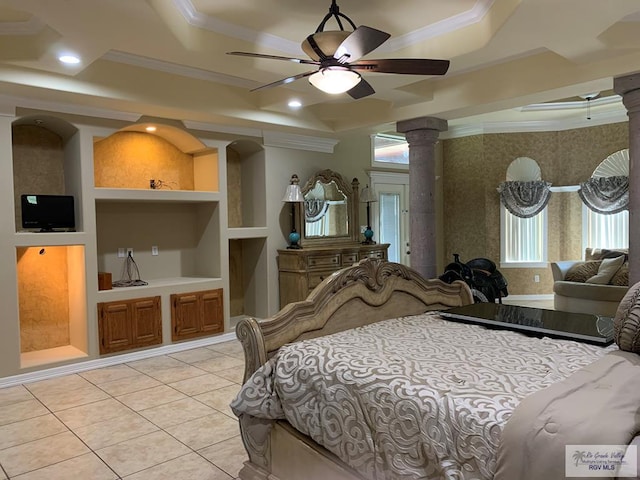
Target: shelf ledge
(50, 355)
(183, 196)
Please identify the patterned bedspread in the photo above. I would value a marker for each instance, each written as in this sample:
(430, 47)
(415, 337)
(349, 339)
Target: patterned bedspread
(410, 398)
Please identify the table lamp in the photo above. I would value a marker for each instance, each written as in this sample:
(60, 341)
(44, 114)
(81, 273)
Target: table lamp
(293, 195)
(368, 196)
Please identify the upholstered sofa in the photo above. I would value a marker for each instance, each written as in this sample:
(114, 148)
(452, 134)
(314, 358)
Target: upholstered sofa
(575, 288)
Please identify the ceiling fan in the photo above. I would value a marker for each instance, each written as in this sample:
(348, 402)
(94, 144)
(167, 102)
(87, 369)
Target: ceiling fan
(337, 53)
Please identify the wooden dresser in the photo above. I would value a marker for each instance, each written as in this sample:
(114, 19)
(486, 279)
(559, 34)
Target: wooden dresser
(300, 271)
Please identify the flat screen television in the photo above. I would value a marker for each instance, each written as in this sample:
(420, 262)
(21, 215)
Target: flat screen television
(48, 213)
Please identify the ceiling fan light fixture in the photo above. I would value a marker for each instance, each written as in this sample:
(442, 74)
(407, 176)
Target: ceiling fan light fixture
(335, 79)
(328, 42)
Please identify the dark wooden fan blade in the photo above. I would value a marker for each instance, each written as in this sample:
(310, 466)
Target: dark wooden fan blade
(284, 81)
(361, 90)
(362, 41)
(274, 57)
(407, 66)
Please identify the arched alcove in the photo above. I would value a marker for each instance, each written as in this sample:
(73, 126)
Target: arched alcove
(45, 161)
(154, 156)
(50, 267)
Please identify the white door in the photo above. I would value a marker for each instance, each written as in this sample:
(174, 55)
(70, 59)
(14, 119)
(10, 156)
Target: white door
(391, 214)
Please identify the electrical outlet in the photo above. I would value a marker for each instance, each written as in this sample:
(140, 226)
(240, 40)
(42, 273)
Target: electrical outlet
(536, 278)
(129, 251)
(154, 250)
(121, 253)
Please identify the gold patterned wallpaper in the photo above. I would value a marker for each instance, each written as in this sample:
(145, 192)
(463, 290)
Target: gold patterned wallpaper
(474, 167)
(132, 159)
(43, 294)
(38, 164)
(234, 188)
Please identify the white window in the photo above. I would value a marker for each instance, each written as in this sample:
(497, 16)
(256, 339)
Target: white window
(390, 151)
(605, 231)
(523, 241)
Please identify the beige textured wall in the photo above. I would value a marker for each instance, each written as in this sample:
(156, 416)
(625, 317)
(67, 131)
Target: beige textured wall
(132, 159)
(236, 279)
(473, 168)
(234, 188)
(43, 292)
(38, 164)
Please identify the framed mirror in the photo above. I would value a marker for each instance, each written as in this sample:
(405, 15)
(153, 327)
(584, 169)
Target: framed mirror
(329, 213)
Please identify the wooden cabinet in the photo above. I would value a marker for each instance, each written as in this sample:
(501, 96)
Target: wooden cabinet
(196, 314)
(128, 324)
(300, 271)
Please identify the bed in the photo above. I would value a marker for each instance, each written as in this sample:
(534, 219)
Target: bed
(332, 391)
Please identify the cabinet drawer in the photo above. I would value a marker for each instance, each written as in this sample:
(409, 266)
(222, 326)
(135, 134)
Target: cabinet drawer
(324, 261)
(316, 278)
(349, 259)
(376, 254)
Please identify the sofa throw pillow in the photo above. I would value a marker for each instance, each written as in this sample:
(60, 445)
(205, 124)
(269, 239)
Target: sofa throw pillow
(580, 272)
(621, 277)
(602, 253)
(626, 324)
(607, 270)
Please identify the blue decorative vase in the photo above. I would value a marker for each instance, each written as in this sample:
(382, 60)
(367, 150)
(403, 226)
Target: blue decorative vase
(368, 236)
(294, 238)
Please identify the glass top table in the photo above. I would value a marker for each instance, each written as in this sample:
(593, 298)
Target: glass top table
(538, 322)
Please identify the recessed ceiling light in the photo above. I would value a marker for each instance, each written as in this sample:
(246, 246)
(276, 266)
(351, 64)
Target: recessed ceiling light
(69, 59)
(150, 128)
(295, 103)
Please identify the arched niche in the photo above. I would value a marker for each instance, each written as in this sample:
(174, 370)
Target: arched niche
(153, 155)
(46, 161)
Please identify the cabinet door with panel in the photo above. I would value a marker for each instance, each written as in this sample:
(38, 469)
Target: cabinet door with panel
(128, 324)
(146, 321)
(196, 314)
(212, 313)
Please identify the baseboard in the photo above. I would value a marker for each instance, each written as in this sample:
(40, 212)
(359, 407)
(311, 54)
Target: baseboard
(113, 360)
(543, 296)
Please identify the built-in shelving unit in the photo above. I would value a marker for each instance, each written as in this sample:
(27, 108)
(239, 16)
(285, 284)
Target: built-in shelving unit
(247, 230)
(196, 223)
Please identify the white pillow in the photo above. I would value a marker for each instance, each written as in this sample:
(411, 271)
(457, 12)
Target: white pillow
(607, 270)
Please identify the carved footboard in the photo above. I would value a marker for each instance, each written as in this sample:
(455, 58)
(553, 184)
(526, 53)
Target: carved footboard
(368, 292)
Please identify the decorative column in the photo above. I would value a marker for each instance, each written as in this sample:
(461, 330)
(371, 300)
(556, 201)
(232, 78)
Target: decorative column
(422, 134)
(629, 88)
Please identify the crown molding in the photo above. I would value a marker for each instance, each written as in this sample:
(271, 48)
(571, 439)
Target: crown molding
(33, 26)
(8, 105)
(176, 69)
(578, 104)
(201, 20)
(532, 126)
(217, 128)
(298, 142)
(461, 20)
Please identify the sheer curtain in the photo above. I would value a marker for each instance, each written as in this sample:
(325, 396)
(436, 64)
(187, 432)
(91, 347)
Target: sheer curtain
(523, 238)
(606, 231)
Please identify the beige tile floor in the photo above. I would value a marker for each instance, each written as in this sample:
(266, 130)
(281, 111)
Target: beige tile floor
(165, 417)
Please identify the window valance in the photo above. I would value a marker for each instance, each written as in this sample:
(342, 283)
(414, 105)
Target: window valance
(314, 209)
(607, 195)
(525, 199)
